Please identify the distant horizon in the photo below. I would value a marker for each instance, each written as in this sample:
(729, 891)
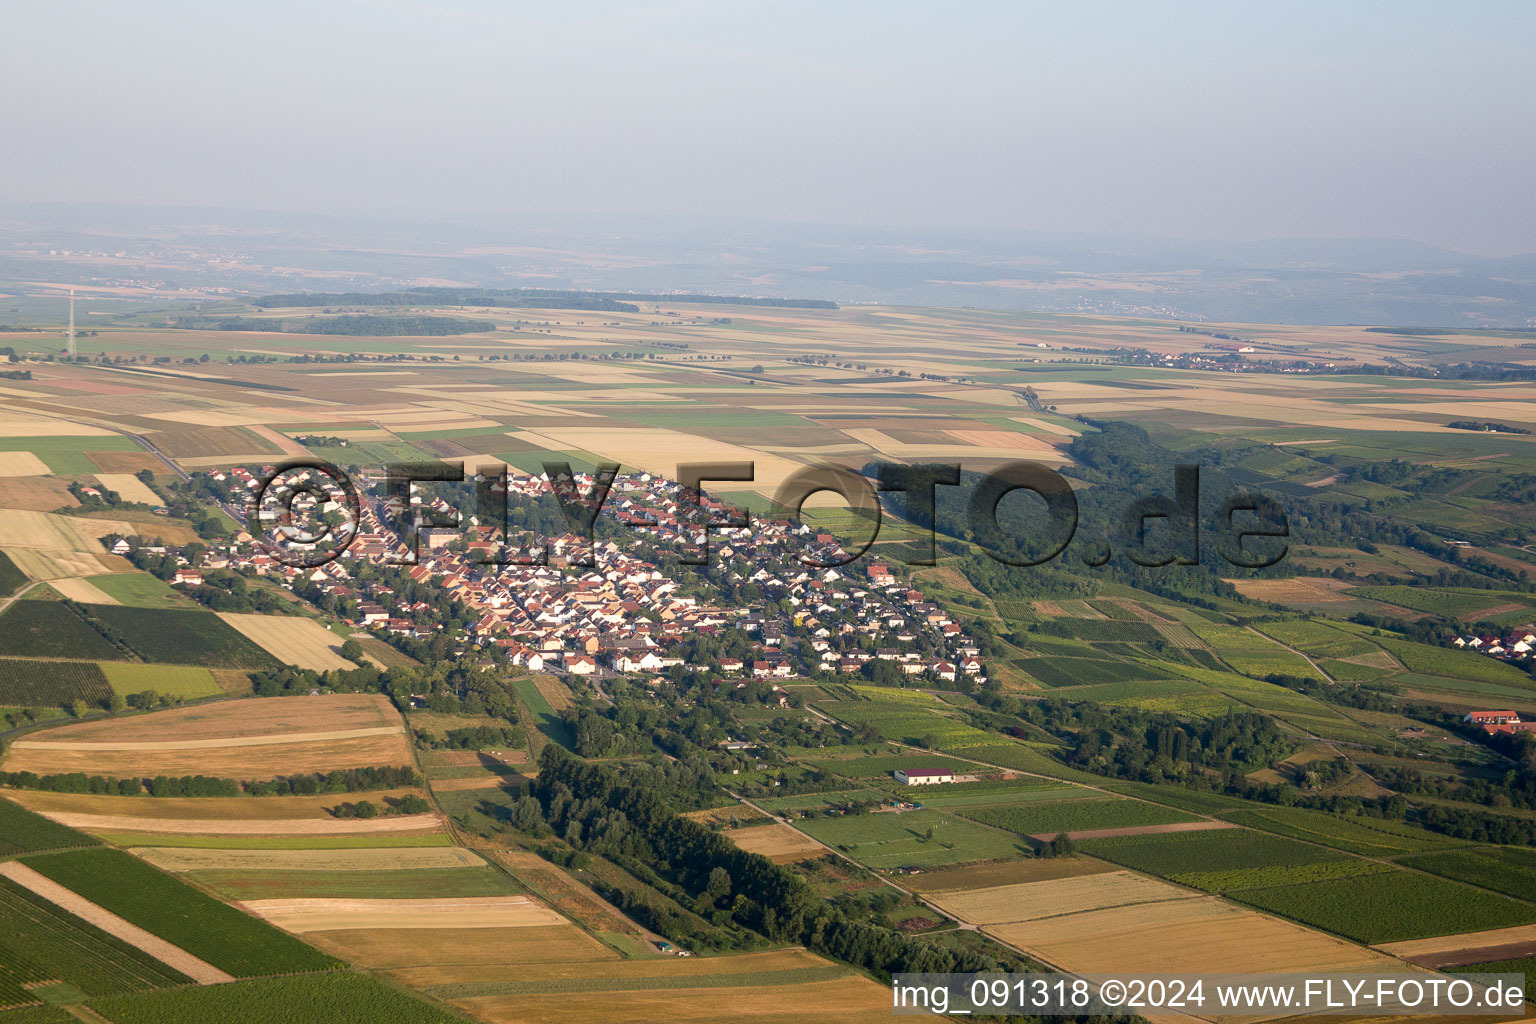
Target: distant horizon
(574, 220)
(1200, 120)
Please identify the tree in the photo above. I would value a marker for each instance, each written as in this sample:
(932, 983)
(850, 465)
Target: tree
(117, 703)
(353, 652)
(1062, 846)
(719, 884)
(79, 708)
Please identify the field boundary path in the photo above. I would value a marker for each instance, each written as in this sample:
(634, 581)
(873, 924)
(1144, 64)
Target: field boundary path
(171, 955)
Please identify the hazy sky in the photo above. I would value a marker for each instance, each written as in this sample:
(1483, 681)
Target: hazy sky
(1220, 120)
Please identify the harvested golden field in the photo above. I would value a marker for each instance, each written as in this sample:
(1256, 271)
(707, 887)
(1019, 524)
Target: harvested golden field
(772, 962)
(37, 426)
(412, 824)
(779, 843)
(320, 915)
(256, 758)
(22, 464)
(487, 781)
(1010, 872)
(40, 564)
(725, 815)
(36, 493)
(257, 716)
(23, 528)
(385, 948)
(129, 488)
(291, 639)
(1200, 935)
(244, 739)
(170, 858)
(194, 808)
(658, 450)
(1031, 900)
(82, 590)
(848, 1000)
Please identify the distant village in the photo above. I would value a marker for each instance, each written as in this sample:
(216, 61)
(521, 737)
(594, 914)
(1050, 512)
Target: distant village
(624, 614)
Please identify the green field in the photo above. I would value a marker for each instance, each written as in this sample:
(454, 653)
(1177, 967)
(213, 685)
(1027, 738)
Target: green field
(417, 883)
(177, 637)
(65, 456)
(1075, 815)
(336, 998)
(48, 629)
(1227, 859)
(889, 840)
(140, 590)
(229, 939)
(907, 723)
(876, 766)
(1451, 603)
(26, 683)
(22, 831)
(1390, 907)
(1373, 837)
(41, 942)
(186, 681)
(1509, 870)
(1057, 670)
(544, 716)
(1454, 664)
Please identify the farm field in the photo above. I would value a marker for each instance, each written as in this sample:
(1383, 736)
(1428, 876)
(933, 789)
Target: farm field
(1029, 901)
(403, 884)
(1372, 837)
(47, 629)
(158, 903)
(768, 988)
(1052, 817)
(1391, 906)
(333, 998)
(891, 840)
(40, 941)
(183, 637)
(28, 683)
(1227, 859)
(256, 738)
(300, 916)
(779, 843)
(264, 862)
(1510, 870)
(22, 831)
(1203, 934)
(393, 948)
(139, 590)
(186, 681)
(293, 640)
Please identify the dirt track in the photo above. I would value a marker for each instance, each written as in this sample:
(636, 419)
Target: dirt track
(172, 956)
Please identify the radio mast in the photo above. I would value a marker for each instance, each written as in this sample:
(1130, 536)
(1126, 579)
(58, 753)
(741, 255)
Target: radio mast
(71, 345)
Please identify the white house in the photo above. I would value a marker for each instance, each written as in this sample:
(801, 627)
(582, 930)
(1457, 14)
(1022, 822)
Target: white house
(922, 776)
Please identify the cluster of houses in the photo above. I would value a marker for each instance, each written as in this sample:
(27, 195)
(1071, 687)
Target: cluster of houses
(1495, 722)
(1516, 646)
(623, 614)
